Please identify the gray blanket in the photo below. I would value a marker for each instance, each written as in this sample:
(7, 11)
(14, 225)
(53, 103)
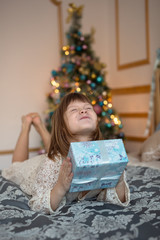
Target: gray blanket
(87, 220)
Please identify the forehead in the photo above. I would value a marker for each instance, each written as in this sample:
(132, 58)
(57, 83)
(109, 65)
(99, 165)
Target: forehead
(78, 103)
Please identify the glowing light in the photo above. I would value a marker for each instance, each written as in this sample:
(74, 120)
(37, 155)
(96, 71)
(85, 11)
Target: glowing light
(78, 89)
(57, 84)
(105, 108)
(105, 102)
(119, 122)
(66, 52)
(112, 116)
(106, 120)
(53, 82)
(64, 48)
(109, 105)
(56, 91)
(93, 102)
(116, 121)
(76, 84)
(104, 93)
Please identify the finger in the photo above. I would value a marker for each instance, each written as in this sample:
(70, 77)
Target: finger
(70, 177)
(68, 159)
(66, 167)
(67, 162)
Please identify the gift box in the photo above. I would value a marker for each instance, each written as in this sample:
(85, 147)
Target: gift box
(97, 164)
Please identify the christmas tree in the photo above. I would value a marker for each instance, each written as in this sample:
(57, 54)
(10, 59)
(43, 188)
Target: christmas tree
(81, 71)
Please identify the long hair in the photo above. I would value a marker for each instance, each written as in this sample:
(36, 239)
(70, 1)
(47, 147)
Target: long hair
(60, 134)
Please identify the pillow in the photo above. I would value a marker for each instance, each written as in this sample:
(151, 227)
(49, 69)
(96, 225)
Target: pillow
(151, 148)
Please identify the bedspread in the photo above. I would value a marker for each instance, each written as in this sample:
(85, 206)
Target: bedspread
(87, 220)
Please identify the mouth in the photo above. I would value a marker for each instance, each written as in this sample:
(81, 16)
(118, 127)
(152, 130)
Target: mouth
(85, 117)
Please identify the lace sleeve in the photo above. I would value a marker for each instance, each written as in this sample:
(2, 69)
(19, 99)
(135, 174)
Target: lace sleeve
(46, 178)
(110, 194)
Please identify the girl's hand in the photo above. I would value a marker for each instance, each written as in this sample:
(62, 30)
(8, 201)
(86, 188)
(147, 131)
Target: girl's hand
(65, 175)
(63, 183)
(120, 188)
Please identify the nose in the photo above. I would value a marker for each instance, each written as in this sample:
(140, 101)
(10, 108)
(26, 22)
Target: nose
(83, 111)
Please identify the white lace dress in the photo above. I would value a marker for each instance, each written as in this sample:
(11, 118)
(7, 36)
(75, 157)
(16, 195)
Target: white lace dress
(37, 177)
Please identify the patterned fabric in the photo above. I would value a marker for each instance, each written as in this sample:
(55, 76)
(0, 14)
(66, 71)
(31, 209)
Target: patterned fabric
(37, 177)
(88, 219)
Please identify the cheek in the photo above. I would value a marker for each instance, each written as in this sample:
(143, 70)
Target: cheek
(66, 120)
(69, 121)
(95, 117)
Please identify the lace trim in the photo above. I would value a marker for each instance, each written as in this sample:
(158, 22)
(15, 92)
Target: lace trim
(110, 194)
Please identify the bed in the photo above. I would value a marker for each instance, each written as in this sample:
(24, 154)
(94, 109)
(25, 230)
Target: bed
(92, 220)
(87, 220)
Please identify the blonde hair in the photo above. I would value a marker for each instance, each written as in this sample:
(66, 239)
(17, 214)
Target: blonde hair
(60, 135)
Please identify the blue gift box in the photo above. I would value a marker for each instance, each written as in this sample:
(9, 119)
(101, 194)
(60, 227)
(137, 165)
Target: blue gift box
(97, 164)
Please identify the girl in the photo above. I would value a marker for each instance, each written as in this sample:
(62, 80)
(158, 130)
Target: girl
(47, 178)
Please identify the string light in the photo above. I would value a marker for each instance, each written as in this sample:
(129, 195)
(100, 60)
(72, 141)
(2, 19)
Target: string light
(116, 121)
(56, 90)
(66, 52)
(119, 122)
(109, 105)
(78, 89)
(54, 83)
(106, 120)
(64, 48)
(112, 116)
(93, 102)
(105, 108)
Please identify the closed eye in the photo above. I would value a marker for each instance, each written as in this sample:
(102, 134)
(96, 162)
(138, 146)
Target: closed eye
(74, 109)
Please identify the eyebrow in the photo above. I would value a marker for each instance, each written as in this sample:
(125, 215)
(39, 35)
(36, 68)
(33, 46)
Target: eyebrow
(77, 105)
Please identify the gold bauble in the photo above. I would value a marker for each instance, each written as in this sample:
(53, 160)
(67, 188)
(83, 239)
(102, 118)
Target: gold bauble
(93, 75)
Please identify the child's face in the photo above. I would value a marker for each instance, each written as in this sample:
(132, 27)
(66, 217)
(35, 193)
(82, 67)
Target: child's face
(80, 118)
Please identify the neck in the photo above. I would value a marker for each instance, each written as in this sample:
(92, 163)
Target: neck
(81, 138)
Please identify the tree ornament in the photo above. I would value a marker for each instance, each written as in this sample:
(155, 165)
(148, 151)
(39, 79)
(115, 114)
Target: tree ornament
(83, 77)
(82, 38)
(73, 9)
(84, 47)
(101, 103)
(88, 81)
(93, 75)
(99, 79)
(54, 73)
(78, 48)
(103, 114)
(97, 109)
(93, 85)
(72, 47)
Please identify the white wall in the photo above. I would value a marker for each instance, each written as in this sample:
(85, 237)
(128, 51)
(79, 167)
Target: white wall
(101, 15)
(140, 75)
(30, 50)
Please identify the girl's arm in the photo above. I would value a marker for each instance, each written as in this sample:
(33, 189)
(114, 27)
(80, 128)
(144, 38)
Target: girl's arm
(63, 184)
(119, 195)
(51, 184)
(120, 190)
